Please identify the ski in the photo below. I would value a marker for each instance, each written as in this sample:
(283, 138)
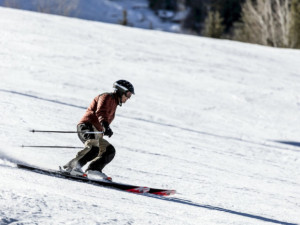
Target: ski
(104, 183)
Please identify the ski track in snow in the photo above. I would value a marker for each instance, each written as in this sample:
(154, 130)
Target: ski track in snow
(215, 120)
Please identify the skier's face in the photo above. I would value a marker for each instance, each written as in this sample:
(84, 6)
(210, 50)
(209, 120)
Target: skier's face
(126, 96)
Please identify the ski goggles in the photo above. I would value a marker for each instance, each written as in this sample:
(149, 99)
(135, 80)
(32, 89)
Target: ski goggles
(128, 94)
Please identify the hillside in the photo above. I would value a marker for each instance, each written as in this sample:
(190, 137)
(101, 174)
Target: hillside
(209, 119)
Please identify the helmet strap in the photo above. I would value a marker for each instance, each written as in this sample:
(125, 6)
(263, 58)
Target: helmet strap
(120, 100)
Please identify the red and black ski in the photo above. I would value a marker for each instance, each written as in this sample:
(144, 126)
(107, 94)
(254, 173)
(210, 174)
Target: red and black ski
(104, 183)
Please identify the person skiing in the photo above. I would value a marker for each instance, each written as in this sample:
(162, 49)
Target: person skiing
(98, 118)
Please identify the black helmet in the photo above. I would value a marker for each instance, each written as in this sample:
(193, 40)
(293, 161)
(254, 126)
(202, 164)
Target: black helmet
(123, 86)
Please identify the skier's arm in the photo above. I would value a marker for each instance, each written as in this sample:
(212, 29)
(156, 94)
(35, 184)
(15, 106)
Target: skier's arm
(101, 113)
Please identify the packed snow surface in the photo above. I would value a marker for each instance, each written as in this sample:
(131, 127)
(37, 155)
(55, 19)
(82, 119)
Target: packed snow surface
(216, 120)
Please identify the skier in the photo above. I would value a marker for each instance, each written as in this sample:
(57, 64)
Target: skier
(98, 117)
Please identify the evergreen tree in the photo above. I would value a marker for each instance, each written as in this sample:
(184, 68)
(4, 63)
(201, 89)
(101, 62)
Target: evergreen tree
(197, 14)
(163, 4)
(295, 24)
(213, 25)
(230, 11)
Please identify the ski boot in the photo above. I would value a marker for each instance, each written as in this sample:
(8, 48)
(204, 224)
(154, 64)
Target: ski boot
(97, 175)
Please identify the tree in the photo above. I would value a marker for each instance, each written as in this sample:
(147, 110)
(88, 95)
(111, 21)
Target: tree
(230, 11)
(163, 4)
(196, 16)
(213, 25)
(295, 24)
(265, 22)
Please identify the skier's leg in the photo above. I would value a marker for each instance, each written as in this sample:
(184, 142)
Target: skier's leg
(90, 151)
(106, 154)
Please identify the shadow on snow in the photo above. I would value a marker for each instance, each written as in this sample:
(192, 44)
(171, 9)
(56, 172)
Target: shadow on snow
(214, 208)
(293, 143)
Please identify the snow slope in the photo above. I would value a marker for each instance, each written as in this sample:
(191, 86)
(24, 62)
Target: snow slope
(207, 120)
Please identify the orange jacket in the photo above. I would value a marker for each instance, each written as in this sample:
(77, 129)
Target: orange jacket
(102, 108)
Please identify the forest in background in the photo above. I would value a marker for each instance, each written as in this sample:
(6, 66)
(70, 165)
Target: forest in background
(267, 22)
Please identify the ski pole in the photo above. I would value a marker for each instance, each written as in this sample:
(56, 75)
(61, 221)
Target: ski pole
(45, 146)
(66, 132)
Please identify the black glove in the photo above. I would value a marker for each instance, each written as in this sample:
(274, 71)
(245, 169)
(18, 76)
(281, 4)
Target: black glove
(107, 131)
